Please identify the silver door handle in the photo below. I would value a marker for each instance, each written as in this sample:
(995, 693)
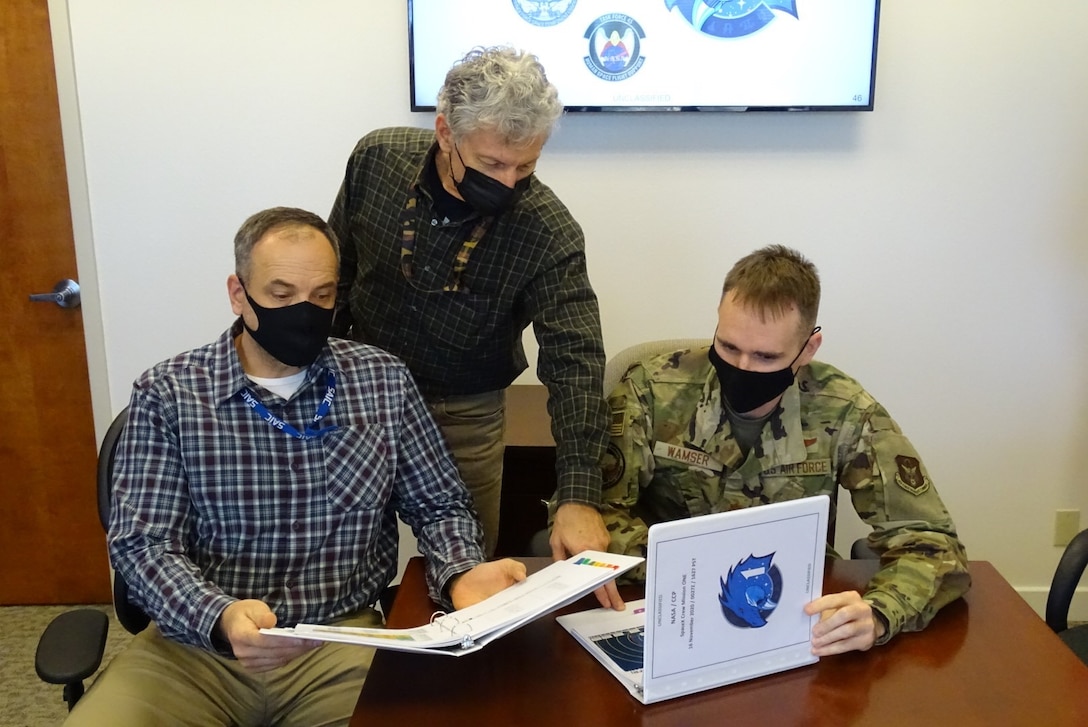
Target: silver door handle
(65, 294)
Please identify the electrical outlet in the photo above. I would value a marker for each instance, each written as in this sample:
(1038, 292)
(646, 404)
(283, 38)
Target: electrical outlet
(1066, 526)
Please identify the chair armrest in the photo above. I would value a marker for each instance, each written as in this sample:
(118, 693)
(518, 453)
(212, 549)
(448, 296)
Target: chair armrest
(1066, 577)
(70, 649)
(861, 550)
(539, 546)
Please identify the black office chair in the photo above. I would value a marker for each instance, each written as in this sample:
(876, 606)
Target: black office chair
(71, 647)
(1066, 577)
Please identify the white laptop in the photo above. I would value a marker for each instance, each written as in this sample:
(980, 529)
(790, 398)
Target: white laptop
(724, 601)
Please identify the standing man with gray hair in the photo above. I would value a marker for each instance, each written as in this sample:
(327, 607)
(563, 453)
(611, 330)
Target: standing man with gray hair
(452, 247)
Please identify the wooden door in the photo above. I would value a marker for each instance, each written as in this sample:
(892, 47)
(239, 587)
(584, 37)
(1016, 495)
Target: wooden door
(52, 548)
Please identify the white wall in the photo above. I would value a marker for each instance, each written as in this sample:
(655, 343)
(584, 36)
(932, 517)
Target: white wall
(949, 225)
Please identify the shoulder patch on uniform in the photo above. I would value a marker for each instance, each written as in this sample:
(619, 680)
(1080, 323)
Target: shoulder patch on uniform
(612, 465)
(909, 475)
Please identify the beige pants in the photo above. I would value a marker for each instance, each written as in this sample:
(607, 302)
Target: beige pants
(473, 426)
(156, 681)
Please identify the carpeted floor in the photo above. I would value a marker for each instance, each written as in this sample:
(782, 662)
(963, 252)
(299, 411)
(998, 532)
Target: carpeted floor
(25, 700)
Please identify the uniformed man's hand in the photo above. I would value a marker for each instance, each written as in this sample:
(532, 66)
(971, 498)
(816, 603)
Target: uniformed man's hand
(579, 527)
(846, 623)
(485, 580)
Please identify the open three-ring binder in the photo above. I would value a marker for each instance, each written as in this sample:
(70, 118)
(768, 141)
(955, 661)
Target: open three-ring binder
(470, 629)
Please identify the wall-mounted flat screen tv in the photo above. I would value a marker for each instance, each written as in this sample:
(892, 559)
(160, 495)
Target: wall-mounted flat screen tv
(664, 55)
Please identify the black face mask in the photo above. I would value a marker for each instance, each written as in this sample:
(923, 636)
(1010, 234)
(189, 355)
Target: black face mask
(746, 391)
(293, 335)
(487, 195)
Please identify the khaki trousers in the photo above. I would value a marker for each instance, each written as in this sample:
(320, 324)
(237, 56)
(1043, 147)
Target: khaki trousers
(473, 426)
(157, 681)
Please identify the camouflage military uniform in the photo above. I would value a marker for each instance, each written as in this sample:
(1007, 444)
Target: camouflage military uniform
(672, 456)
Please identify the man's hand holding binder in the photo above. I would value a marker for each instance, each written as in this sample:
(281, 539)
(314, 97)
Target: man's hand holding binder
(483, 581)
(515, 600)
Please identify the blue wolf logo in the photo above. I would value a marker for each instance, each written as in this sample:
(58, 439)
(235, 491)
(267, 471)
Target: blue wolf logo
(751, 591)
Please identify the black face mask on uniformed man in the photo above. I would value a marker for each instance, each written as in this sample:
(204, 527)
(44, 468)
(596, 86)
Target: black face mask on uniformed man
(487, 195)
(746, 391)
(294, 334)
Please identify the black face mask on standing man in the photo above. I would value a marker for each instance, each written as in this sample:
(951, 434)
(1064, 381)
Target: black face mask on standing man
(485, 194)
(746, 391)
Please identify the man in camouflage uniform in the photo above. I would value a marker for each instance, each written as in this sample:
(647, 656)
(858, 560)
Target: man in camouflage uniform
(754, 420)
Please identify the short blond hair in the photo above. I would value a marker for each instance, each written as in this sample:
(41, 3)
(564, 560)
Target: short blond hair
(774, 279)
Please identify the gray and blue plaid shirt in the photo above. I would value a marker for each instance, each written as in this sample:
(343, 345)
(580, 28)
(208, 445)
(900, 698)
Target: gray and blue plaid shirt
(213, 504)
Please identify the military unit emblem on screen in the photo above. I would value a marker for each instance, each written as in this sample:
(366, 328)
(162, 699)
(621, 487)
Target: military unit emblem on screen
(731, 18)
(615, 39)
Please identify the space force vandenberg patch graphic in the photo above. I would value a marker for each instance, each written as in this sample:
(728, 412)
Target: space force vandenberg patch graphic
(615, 47)
(544, 13)
(751, 591)
(730, 18)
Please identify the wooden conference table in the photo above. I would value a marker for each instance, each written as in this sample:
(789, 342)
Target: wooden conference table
(987, 659)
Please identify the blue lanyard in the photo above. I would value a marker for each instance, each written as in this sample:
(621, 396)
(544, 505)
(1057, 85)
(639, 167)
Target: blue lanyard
(312, 432)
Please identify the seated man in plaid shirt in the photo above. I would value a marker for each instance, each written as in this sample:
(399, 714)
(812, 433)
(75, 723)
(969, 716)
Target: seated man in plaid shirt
(258, 482)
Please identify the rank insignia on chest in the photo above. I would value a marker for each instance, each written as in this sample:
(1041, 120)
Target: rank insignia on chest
(687, 455)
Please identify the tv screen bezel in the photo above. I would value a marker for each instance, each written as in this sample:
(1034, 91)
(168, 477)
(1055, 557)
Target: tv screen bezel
(673, 109)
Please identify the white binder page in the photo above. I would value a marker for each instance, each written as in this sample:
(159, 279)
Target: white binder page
(470, 628)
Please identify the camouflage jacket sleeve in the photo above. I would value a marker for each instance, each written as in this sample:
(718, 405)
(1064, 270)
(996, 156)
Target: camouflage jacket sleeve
(923, 563)
(627, 467)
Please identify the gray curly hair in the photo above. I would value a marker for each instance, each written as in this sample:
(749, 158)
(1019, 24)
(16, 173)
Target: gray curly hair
(500, 89)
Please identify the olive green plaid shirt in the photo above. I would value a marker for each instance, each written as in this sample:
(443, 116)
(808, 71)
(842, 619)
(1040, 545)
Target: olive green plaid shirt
(530, 267)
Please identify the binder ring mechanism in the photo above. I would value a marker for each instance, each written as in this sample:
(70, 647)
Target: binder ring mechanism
(455, 626)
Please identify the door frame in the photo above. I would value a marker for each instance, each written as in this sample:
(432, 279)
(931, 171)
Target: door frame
(80, 204)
